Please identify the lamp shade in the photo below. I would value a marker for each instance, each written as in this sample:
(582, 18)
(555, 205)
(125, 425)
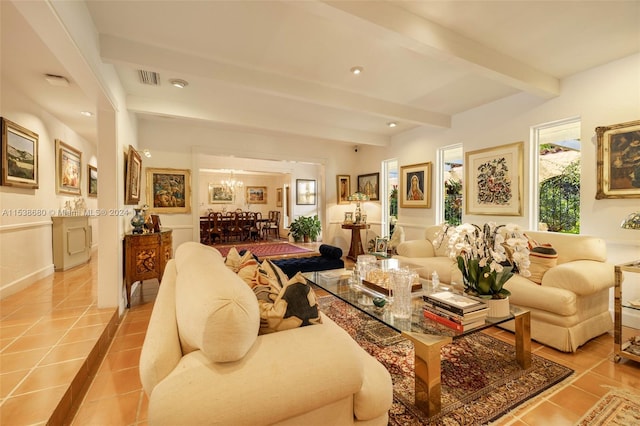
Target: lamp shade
(631, 222)
(358, 196)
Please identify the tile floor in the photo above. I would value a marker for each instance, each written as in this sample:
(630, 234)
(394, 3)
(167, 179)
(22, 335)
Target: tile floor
(52, 336)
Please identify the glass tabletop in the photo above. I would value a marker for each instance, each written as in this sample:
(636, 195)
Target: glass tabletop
(337, 283)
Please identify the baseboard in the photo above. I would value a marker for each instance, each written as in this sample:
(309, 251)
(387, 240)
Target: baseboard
(25, 281)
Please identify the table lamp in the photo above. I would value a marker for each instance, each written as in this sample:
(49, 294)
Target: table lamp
(631, 222)
(358, 197)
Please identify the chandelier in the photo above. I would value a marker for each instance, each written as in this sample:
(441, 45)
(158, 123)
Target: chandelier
(230, 184)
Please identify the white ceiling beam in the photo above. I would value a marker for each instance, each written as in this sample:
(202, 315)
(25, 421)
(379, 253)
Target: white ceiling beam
(383, 19)
(255, 121)
(118, 50)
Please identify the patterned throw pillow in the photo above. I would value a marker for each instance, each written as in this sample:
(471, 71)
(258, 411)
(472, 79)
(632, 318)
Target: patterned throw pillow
(542, 257)
(244, 265)
(284, 303)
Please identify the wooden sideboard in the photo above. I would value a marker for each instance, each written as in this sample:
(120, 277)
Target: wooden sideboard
(145, 256)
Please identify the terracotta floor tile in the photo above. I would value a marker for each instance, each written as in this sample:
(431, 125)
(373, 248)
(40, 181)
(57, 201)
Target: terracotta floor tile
(121, 360)
(35, 341)
(14, 330)
(110, 384)
(49, 325)
(92, 332)
(9, 381)
(122, 343)
(574, 399)
(50, 376)
(32, 408)
(115, 410)
(548, 413)
(595, 384)
(625, 372)
(69, 351)
(16, 361)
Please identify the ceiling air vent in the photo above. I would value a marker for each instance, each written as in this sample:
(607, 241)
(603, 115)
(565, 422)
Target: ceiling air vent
(149, 77)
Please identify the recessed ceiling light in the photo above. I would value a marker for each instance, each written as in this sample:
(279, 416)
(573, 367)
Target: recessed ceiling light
(86, 113)
(356, 70)
(392, 124)
(180, 84)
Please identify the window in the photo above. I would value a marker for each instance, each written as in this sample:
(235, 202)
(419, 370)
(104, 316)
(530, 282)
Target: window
(556, 194)
(449, 191)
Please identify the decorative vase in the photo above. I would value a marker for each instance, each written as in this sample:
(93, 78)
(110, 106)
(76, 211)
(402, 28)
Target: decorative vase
(498, 308)
(137, 221)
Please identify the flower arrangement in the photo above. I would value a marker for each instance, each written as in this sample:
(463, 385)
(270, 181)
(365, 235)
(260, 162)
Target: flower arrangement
(487, 256)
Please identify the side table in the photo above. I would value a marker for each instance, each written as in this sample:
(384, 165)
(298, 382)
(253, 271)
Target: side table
(145, 256)
(356, 241)
(626, 349)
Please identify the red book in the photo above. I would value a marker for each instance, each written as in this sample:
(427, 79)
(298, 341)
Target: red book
(449, 323)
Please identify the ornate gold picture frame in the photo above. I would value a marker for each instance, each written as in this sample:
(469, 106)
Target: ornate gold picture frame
(19, 156)
(169, 190)
(68, 169)
(618, 160)
(415, 186)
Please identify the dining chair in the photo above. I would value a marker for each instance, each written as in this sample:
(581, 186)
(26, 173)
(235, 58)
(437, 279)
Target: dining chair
(273, 225)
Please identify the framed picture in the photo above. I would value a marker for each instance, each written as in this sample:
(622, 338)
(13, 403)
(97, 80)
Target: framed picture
(619, 160)
(370, 185)
(92, 181)
(256, 195)
(305, 192)
(279, 197)
(348, 217)
(19, 156)
(343, 188)
(169, 190)
(415, 186)
(133, 179)
(381, 245)
(493, 183)
(219, 195)
(68, 169)
(155, 220)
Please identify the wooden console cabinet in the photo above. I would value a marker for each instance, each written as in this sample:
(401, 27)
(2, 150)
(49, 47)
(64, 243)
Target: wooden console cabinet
(145, 256)
(71, 237)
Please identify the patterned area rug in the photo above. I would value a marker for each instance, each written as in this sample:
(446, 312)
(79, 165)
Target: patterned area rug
(480, 378)
(266, 250)
(618, 407)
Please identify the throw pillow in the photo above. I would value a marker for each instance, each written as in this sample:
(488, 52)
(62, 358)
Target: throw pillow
(330, 251)
(244, 264)
(542, 257)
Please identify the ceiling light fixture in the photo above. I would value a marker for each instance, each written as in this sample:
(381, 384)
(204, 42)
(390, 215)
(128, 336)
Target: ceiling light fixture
(392, 124)
(86, 113)
(356, 70)
(179, 83)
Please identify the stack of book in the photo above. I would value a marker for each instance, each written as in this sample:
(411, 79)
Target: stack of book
(459, 312)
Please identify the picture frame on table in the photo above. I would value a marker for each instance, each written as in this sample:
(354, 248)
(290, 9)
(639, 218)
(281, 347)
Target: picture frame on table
(381, 245)
(133, 178)
(415, 186)
(92, 181)
(20, 156)
(68, 169)
(348, 217)
(278, 197)
(494, 186)
(256, 195)
(343, 189)
(305, 192)
(219, 195)
(618, 166)
(169, 190)
(369, 185)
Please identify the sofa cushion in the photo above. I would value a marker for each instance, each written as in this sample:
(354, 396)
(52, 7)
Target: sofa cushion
(284, 303)
(330, 251)
(216, 311)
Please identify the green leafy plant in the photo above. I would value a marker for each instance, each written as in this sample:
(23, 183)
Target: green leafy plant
(305, 228)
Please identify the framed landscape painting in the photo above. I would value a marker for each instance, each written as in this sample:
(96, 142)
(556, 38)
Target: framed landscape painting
(343, 188)
(219, 195)
(415, 186)
(92, 181)
(370, 185)
(494, 186)
(169, 190)
(68, 169)
(133, 179)
(256, 195)
(305, 192)
(618, 160)
(19, 156)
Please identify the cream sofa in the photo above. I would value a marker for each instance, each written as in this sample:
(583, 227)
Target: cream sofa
(202, 360)
(568, 308)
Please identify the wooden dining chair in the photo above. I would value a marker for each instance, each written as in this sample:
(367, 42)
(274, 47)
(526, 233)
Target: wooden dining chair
(235, 226)
(215, 231)
(273, 225)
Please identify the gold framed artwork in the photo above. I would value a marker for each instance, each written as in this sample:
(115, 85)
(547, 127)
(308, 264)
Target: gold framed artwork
(19, 156)
(493, 183)
(92, 181)
(278, 197)
(256, 195)
(169, 190)
(68, 169)
(415, 186)
(343, 188)
(133, 178)
(618, 160)
(305, 192)
(218, 194)
(369, 185)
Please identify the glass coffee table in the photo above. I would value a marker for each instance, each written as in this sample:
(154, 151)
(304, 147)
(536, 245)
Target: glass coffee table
(427, 335)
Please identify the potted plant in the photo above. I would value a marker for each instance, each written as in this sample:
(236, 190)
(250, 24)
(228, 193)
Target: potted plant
(306, 228)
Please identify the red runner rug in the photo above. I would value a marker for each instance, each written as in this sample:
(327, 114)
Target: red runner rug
(266, 250)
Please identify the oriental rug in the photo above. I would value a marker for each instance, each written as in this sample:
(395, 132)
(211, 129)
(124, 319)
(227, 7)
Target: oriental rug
(266, 250)
(619, 407)
(481, 380)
